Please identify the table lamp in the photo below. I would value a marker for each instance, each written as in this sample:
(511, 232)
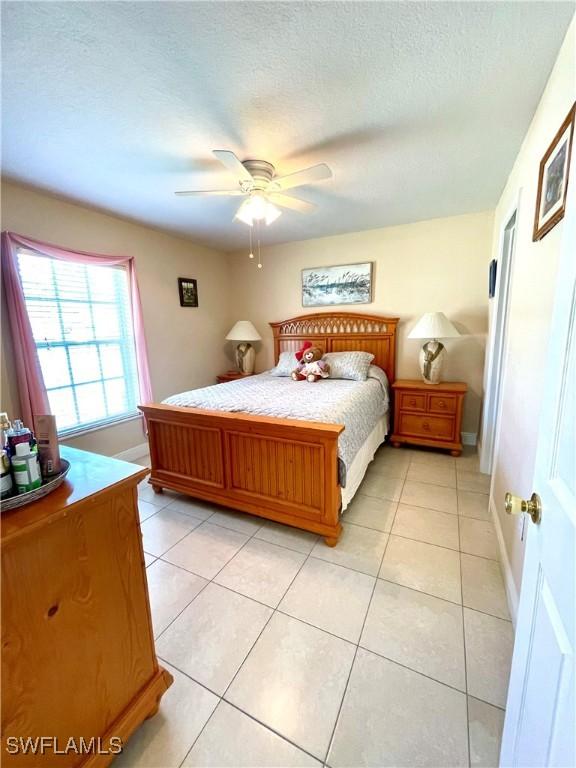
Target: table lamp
(434, 326)
(244, 332)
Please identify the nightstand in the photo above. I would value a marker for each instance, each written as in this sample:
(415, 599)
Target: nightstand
(428, 414)
(231, 376)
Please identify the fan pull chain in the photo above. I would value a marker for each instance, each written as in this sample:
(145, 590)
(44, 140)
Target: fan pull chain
(251, 254)
(259, 253)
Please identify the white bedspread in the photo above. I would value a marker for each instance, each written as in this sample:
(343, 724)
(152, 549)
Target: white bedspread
(359, 405)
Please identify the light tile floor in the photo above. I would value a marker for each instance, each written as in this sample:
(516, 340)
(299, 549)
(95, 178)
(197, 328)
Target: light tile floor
(391, 649)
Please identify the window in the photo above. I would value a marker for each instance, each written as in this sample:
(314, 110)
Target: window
(81, 323)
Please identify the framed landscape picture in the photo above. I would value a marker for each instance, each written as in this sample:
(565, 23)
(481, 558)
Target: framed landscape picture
(188, 290)
(553, 180)
(327, 286)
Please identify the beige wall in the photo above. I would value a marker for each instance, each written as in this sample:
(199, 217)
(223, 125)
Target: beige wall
(532, 293)
(422, 267)
(185, 345)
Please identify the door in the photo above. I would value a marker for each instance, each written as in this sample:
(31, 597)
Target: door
(540, 725)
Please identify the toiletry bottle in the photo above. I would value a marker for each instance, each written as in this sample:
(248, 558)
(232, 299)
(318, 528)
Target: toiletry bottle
(5, 425)
(48, 448)
(6, 484)
(25, 468)
(18, 434)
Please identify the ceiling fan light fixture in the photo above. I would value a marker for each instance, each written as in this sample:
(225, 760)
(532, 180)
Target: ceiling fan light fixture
(272, 213)
(257, 208)
(243, 214)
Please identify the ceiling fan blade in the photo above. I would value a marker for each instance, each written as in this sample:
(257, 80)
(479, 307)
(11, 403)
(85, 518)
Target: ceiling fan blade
(285, 201)
(188, 192)
(306, 176)
(230, 161)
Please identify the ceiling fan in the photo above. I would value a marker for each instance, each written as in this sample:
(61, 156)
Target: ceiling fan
(263, 190)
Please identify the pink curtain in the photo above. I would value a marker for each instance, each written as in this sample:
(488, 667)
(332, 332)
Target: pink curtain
(28, 372)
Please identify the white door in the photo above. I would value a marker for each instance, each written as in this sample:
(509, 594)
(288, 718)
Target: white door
(540, 723)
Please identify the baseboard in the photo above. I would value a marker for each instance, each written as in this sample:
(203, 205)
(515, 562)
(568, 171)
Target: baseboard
(469, 438)
(509, 583)
(137, 452)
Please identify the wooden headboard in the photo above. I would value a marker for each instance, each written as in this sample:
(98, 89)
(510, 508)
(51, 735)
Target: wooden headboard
(340, 332)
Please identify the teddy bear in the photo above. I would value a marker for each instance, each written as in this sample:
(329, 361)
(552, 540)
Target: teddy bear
(311, 366)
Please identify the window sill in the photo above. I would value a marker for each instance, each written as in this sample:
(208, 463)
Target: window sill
(70, 435)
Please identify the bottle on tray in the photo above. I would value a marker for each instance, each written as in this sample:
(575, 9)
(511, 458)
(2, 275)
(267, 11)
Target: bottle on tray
(6, 484)
(26, 468)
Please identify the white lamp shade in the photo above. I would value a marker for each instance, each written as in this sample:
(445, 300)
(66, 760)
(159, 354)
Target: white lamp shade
(433, 325)
(243, 330)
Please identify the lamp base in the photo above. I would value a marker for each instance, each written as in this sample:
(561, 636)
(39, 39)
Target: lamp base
(432, 356)
(245, 358)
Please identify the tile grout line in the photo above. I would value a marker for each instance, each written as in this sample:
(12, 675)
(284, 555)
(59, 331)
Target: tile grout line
(238, 709)
(274, 611)
(310, 555)
(221, 696)
(464, 640)
(339, 637)
(277, 610)
(208, 581)
(253, 535)
(337, 720)
(360, 647)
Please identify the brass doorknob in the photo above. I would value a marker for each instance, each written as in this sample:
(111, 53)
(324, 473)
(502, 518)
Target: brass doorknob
(514, 505)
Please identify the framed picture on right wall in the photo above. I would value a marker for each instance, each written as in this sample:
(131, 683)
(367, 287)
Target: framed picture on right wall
(553, 179)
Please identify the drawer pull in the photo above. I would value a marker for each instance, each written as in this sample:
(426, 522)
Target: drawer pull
(441, 404)
(426, 426)
(412, 402)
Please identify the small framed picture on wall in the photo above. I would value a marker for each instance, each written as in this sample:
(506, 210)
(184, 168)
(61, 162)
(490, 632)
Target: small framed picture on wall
(553, 179)
(188, 290)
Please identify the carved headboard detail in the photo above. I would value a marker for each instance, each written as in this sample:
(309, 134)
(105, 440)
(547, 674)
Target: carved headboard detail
(339, 332)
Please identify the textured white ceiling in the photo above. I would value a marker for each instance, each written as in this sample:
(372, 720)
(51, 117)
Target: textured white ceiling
(418, 108)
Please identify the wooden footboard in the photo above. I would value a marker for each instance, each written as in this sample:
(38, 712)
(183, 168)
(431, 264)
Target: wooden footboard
(281, 469)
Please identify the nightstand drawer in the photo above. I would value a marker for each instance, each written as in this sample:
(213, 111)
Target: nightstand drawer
(439, 427)
(442, 404)
(412, 402)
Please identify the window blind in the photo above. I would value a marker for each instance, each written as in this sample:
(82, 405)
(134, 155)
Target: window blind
(81, 322)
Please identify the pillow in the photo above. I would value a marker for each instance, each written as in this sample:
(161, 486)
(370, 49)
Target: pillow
(349, 365)
(374, 372)
(286, 364)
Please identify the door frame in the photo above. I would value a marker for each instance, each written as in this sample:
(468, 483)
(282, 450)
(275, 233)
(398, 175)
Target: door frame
(497, 339)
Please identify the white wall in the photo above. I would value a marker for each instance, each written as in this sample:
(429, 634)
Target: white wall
(185, 345)
(431, 265)
(533, 282)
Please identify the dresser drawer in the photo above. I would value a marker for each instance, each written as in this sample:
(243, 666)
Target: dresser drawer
(442, 404)
(412, 402)
(439, 427)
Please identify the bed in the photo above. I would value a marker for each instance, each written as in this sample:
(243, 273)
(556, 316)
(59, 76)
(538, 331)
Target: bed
(286, 469)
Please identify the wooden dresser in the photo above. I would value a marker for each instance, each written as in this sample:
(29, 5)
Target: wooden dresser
(428, 414)
(78, 657)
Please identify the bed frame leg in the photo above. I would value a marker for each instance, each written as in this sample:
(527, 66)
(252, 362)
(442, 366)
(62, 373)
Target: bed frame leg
(331, 541)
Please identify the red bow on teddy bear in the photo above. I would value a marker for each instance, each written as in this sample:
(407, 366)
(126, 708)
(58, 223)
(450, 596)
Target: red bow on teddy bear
(311, 366)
